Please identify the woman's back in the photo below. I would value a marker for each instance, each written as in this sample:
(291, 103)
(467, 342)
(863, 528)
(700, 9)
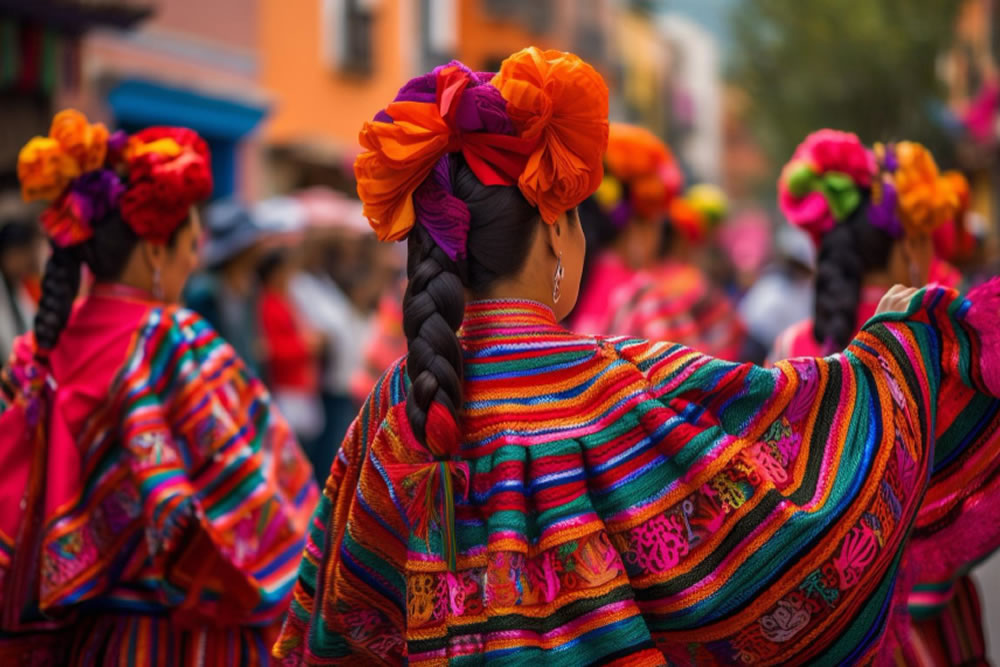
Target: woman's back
(515, 493)
(617, 499)
(173, 502)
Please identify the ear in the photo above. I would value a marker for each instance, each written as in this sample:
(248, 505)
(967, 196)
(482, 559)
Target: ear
(556, 234)
(154, 253)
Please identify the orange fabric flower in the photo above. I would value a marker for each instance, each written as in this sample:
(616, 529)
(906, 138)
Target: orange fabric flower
(449, 110)
(960, 185)
(46, 165)
(926, 199)
(398, 157)
(562, 101)
(638, 158)
(687, 220)
(84, 142)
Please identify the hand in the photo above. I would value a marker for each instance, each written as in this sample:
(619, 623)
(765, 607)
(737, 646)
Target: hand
(896, 300)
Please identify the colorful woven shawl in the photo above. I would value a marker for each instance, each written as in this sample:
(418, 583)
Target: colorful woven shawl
(173, 501)
(642, 503)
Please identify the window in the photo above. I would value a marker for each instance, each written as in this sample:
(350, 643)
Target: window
(439, 31)
(347, 41)
(534, 15)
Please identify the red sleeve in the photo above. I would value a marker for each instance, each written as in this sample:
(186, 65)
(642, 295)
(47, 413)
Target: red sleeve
(282, 339)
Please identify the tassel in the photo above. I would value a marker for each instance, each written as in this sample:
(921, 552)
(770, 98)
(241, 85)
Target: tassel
(448, 537)
(431, 487)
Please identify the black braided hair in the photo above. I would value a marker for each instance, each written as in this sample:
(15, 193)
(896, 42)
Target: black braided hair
(60, 284)
(847, 252)
(502, 227)
(106, 253)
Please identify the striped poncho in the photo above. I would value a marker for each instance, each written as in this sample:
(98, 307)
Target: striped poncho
(625, 502)
(170, 504)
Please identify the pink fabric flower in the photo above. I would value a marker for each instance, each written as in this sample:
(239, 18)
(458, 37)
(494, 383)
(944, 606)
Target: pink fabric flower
(833, 150)
(815, 188)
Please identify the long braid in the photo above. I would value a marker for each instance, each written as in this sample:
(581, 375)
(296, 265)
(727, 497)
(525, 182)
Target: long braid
(847, 252)
(433, 308)
(60, 285)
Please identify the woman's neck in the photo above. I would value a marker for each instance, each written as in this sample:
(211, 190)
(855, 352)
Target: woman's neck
(513, 290)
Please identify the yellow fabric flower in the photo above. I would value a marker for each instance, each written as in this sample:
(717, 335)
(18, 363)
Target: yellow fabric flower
(44, 169)
(165, 146)
(46, 165)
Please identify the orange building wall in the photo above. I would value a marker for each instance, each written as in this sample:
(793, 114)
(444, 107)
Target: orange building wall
(483, 39)
(312, 100)
(314, 103)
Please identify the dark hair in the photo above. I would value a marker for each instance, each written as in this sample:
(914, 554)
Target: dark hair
(847, 252)
(17, 234)
(502, 226)
(105, 253)
(270, 262)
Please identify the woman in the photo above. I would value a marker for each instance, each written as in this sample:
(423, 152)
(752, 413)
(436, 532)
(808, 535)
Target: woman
(153, 503)
(518, 493)
(624, 219)
(224, 292)
(864, 246)
(633, 288)
(677, 300)
(872, 234)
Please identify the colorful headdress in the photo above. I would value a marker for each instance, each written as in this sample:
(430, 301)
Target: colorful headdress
(700, 210)
(540, 123)
(639, 162)
(823, 182)
(910, 196)
(79, 168)
(954, 240)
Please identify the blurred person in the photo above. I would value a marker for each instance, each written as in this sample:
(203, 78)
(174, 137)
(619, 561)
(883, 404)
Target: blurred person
(225, 292)
(643, 280)
(335, 224)
(624, 219)
(153, 502)
(20, 268)
(872, 215)
(291, 349)
(954, 242)
(863, 249)
(745, 240)
(385, 345)
(783, 295)
(676, 300)
(512, 491)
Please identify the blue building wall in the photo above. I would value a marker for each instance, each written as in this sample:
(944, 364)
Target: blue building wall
(222, 122)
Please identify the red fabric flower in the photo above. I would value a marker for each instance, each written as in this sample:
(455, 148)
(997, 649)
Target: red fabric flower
(169, 171)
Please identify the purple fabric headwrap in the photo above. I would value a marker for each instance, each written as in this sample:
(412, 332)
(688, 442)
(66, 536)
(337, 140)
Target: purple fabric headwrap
(481, 109)
(884, 214)
(96, 193)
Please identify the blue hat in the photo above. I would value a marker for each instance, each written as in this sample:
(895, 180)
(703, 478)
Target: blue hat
(233, 227)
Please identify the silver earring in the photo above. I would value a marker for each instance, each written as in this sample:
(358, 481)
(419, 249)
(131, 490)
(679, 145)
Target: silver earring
(557, 280)
(157, 287)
